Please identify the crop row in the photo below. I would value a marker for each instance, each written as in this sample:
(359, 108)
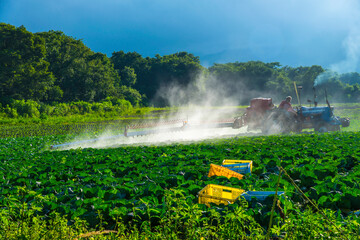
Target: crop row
(82, 182)
(58, 129)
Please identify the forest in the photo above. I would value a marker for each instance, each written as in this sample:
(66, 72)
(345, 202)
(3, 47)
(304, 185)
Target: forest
(53, 68)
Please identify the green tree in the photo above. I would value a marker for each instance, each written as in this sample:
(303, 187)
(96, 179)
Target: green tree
(24, 71)
(128, 76)
(279, 86)
(124, 62)
(305, 77)
(81, 74)
(245, 80)
(351, 78)
(130, 94)
(159, 72)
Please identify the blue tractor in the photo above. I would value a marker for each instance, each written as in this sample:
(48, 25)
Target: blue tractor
(321, 119)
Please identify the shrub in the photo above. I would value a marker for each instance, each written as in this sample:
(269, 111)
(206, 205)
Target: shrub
(82, 107)
(61, 109)
(11, 112)
(123, 106)
(27, 108)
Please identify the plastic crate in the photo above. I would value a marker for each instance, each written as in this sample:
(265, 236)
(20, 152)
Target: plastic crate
(242, 168)
(216, 170)
(259, 195)
(219, 194)
(239, 166)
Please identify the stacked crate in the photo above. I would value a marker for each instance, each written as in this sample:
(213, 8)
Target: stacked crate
(226, 195)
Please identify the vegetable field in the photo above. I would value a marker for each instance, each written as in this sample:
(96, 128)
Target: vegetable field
(151, 191)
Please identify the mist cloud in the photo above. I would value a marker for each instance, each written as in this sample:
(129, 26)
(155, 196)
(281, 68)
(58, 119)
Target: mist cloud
(202, 103)
(351, 46)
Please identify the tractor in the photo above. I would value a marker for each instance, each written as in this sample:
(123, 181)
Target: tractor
(263, 115)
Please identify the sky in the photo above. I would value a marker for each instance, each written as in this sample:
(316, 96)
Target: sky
(292, 32)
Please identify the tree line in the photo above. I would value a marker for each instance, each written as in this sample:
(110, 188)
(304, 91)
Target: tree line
(51, 67)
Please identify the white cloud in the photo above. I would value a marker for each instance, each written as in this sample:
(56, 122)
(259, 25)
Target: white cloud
(351, 46)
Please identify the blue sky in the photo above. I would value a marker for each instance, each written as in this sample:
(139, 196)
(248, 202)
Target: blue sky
(292, 32)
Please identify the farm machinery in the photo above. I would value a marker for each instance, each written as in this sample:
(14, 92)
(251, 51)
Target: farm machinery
(263, 115)
(260, 115)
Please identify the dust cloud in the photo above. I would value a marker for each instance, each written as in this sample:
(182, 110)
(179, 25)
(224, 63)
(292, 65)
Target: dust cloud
(199, 112)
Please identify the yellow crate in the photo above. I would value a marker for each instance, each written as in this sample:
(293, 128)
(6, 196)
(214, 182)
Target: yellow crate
(229, 161)
(223, 171)
(219, 194)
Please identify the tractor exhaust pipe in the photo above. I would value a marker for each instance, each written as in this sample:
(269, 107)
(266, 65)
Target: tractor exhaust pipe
(327, 102)
(315, 102)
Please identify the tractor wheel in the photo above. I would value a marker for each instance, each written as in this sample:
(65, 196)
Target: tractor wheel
(297, 127)
(273, 124)
(345, 122)
(238, 123)
(334, 128)
(321, 128)
(285, 122)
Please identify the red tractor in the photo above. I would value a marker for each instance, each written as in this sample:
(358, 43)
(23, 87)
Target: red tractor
(256, 113)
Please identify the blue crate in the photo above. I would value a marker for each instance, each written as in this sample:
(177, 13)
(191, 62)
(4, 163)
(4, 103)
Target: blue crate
(241, 168)
(259, 195)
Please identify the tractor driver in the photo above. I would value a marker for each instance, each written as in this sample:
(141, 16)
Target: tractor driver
(286, 105)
